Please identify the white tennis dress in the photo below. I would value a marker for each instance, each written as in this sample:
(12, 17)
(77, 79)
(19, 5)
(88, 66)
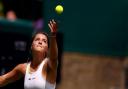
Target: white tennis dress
(35, 80)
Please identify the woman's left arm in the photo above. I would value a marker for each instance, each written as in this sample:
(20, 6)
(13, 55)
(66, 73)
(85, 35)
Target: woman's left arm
(53, 45)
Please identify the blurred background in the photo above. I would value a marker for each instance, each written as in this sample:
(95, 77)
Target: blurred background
(92, 40)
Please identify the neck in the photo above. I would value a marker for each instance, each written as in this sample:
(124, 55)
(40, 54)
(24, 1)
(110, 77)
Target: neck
(37, 59)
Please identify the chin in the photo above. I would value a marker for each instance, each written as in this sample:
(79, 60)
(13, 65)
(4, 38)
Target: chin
(39, 50)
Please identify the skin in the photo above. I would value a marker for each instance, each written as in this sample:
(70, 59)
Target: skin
(39, 49)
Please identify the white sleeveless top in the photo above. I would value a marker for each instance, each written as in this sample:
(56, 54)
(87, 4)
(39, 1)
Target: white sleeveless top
(35, 80)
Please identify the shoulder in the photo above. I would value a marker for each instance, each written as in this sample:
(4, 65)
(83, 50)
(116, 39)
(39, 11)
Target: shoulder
(21, 67)
(52, 64)
(47, 60)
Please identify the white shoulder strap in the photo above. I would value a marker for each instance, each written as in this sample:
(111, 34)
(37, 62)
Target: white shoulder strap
(27, 68)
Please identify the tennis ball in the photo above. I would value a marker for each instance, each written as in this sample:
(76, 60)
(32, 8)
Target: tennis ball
(59, 9)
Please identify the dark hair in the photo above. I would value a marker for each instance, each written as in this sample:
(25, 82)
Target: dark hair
(34, 35)
(31, 41)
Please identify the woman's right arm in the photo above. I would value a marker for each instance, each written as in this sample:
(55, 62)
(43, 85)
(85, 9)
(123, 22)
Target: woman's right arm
(13, 75)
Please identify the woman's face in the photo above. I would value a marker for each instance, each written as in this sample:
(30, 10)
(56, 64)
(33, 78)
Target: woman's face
(40, 43)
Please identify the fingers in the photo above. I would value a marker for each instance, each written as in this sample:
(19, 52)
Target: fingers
(53, 21)
(52, 25)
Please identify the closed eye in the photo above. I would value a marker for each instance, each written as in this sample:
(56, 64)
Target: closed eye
(45, 41)
(37, 39)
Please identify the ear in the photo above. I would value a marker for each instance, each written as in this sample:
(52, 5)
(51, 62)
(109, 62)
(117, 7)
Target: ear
(31, 46)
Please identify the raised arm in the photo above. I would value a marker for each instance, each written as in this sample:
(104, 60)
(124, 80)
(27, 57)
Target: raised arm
(53, 45)
(12, 76)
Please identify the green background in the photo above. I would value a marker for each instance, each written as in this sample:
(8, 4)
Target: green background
(86, 26)
(91, 26)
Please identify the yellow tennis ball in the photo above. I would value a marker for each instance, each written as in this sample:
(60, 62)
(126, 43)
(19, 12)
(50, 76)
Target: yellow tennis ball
(59, 9)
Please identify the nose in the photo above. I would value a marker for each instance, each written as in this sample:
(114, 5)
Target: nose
(40, 42)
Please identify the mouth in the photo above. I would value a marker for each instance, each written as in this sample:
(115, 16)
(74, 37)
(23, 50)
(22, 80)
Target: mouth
(39, 46)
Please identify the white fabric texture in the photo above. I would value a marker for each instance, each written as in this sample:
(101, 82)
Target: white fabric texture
(35, 80)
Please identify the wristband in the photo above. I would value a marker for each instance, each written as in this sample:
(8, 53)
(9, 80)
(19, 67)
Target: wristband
(53, 34)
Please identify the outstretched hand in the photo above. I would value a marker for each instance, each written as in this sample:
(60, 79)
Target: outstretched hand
(53, 26)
